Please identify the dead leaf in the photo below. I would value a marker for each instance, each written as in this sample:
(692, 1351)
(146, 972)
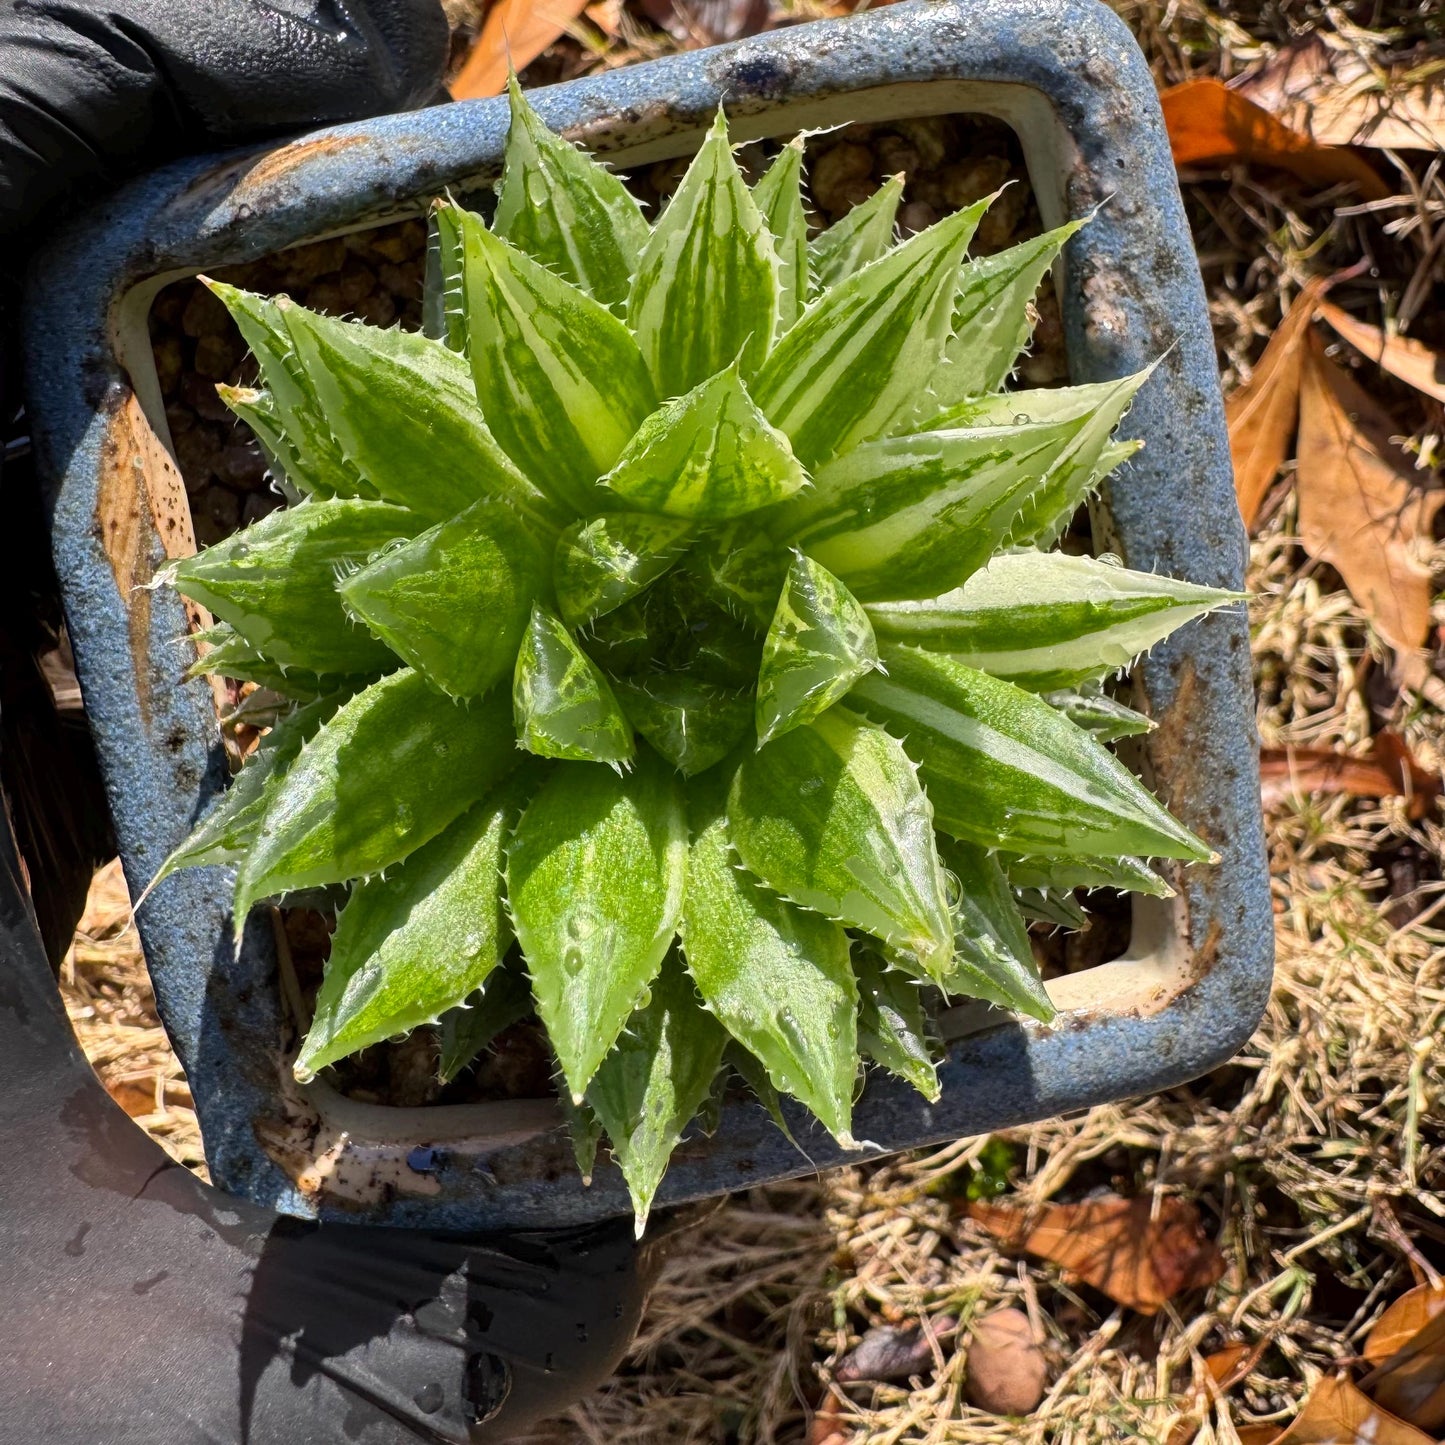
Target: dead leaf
(1329, 93)
(1403, 1321)
(1360, 508)
(1256, 1434)
(1211, 125)
(1411, 1381)
(828, 1427)
(698, 23)
(1336, 1413)
(1412, 361)
(1264, 414)
(515, 32)
(1137, 1254)
(1388, 770)
(136, 1096)
(606, 15)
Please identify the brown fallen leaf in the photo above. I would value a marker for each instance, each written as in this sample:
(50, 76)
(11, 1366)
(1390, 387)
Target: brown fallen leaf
(1224, 1369)
(1256, 1434)
(1211, 125)
(1331, 94)
(1264, 414)
(1412, 361)
(515, 32)
(828, 1427)
(1360, 507)
(1336, 1413)
(1405, 1318)
(1005, 1370)
(1136, 1254)
(1411, 1381)
(137, 1097)
(1388, 770)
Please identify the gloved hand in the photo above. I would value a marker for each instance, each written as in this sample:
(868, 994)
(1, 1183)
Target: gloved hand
(139, 1304)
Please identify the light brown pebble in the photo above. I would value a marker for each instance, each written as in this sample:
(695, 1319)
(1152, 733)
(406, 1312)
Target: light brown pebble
(968, 181)
(169, 362)
(204, 315)
(916, 216)
(997, 228)
(318, 258)
(896, 154)
(216, 356)
(1006, 1373)
(840, 168)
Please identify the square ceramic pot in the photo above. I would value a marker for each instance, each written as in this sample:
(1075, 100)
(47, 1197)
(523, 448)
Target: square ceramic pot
(1070, 81)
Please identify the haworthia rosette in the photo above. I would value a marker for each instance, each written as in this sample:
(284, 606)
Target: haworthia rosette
(693, 723)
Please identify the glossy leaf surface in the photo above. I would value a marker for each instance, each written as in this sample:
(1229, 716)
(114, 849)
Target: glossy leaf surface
(892, 1029)
(602, 563)
(691, 722)
(858, 239)
(779, 199)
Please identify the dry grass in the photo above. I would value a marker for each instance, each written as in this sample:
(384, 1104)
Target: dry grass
(1316, 1158)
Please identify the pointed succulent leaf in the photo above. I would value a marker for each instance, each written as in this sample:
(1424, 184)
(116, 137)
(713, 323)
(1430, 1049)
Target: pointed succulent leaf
(388, 773)
(443, 311)
(892, 1030)
(706, 289)
(858, 357)
(819, 644)
(274, 582)
(994, 959)
(1045, 620)
(409, 946)
(564, 706)
(1063, 910)
(559, 377)
(455, 601)
(1103, 716)
(779, 198)
(232, 824)
(859, 239)
(228, 654)
(595, 882)
(692, 723)
(602, 563)
(1005, 770)
(910, 516)
(745, 570)
(1077, 471)
(565, 209)
(1063, 875)
(405, 415)
(832, 816)
(504, 997)
(654, 1081)
(257, 408)
(777, 977)
(993, 318)
(584, 1129)
(709, 455)
(315, 462)
(751, 1071)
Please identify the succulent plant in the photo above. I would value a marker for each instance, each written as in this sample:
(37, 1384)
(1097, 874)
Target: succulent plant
(672, 644)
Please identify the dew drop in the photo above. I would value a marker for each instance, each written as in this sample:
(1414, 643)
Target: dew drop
(572, 960)
(472, 945)
(1022, 418)
(403, 817)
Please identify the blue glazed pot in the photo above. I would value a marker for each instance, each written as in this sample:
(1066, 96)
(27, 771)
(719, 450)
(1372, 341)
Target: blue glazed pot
(1070, 81)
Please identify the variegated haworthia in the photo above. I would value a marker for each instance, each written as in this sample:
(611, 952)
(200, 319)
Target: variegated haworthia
(672, 637)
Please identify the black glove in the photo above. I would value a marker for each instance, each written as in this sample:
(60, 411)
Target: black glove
(140, 1305)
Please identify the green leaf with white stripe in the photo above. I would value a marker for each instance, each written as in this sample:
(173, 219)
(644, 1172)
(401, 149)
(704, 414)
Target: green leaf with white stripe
(602, 563)
(691, 722)
(409, 946)
(777, 977)
(709, 455)
(859, 356)
(779, 199)
(1063, 875)
(706, 289)
(1103, 716)
(1005, 770)
(425, 598)
(831, 815)
(504, 998)
(1099, 406)
(744, 569)
(566, 210)
(234, 821)
(595, 881)
(859, 239)
(564, 706)
(910, 516)
(1062, 910)
(405, 415)
(559, 377)
(993, 318)
(819, 644)
(314, 462)
(443, 302)
(274, 582)
(653, 1083)
(1045, 620)
(342, 815)
(892, 1029)
(993, 958)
